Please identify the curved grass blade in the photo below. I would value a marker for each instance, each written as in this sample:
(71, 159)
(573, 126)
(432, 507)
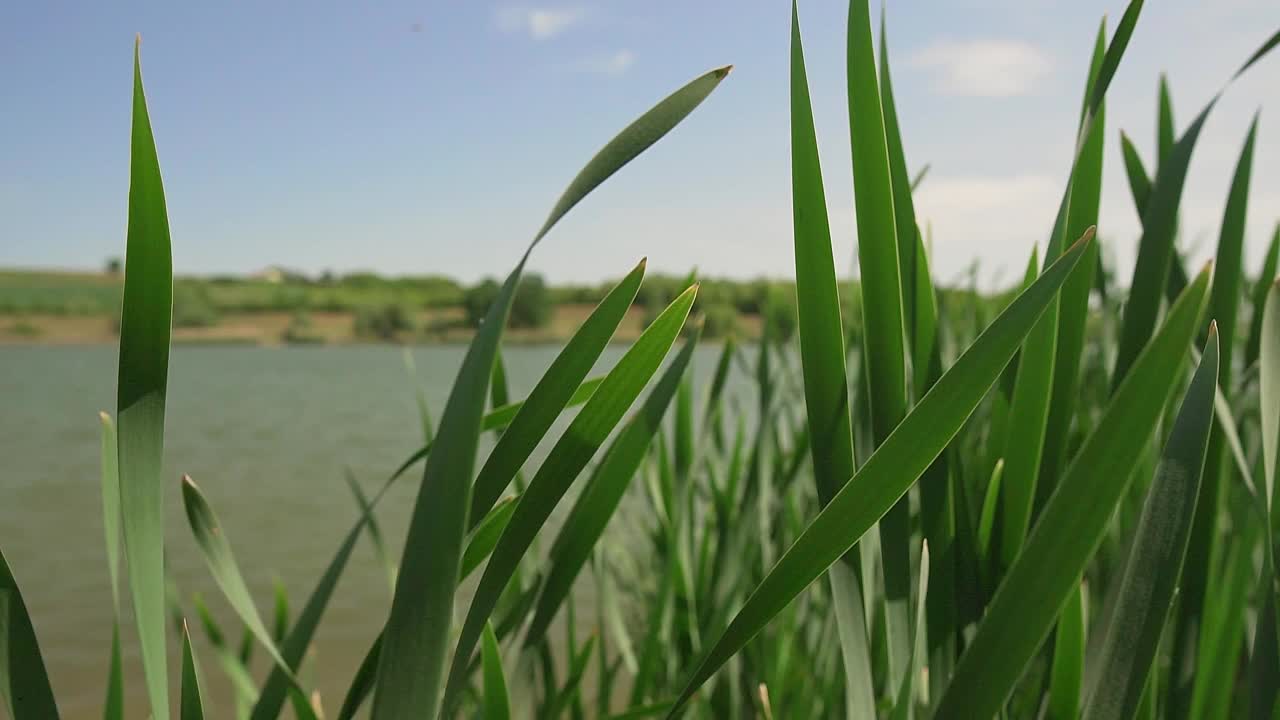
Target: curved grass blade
(891, 470)
(143, 377)
(496, 704)
(216, 549)
(548, 398)
(1155, 559)
(412, 664)
(633, 140)
(1072, 523)
(570, 454)
(192, 707)
(822, 361)
(24, 682)
(600, 498)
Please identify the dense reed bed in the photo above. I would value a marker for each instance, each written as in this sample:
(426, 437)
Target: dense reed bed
(1061, 509)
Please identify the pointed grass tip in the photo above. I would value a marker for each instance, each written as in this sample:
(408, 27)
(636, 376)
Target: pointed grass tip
(1087, 236)
(723, 72)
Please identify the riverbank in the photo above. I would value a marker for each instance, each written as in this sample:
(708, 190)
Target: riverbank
(319, 328)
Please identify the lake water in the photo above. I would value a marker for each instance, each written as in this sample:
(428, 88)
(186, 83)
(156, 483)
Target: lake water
(267, 433)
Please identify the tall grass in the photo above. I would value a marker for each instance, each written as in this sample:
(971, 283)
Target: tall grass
(1063, 510)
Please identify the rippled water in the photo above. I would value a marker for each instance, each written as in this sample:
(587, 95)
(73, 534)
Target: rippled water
(266, 432)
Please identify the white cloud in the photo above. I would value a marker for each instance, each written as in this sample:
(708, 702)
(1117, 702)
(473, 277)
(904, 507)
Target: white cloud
(993, 218)
(539, 23)
(984, 68)
(614, 64)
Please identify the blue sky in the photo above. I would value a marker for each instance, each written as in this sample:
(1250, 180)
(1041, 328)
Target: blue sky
(412, 137)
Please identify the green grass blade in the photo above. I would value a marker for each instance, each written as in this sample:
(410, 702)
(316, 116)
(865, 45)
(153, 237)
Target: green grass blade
(1155, 559)
(573, 683)
(280, 614)
(600, 498)
(242, 683)
(143, 377)
(362, 682)
(1223, 307)
(880, 274)
(1259, 299)
(420, 398)
(903, 206)
(1068, 659)
(113, 705)
(497, 419)
(1166, 135)
(633, 140)
(1269, 379)
(891, 470)
(822, 359)
(1072, 523)
(1028, 418)
(372, 527)
(1073, 303)
(1218, 653)
(496, 704)
(216, 549)
(192, 707)
(904, 704)
(484, 537)
(552, 393)
(1258, 54)
(111, 505)
(900, 237)
(411, 665)
(565, 461)
(299, 639)
(1139, 182)
(1155, 251)
(501, 417)
(24, 683)
(987, 548)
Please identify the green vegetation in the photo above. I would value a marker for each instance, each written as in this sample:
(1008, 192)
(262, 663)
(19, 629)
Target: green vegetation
(1056, 478)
